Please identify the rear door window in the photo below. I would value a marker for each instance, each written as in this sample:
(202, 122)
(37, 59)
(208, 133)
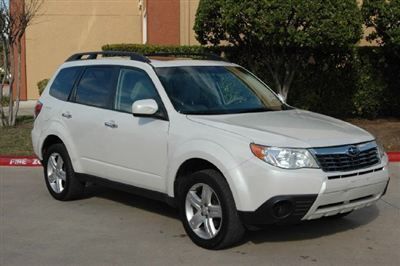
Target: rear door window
(63, 83)
(97, 87)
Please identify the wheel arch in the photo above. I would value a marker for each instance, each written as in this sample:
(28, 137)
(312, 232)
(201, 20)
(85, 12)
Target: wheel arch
(207, 156)
(49, 141)
(190, 166)
(55, 136)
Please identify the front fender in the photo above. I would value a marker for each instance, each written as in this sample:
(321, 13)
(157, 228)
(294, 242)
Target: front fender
(216, 155)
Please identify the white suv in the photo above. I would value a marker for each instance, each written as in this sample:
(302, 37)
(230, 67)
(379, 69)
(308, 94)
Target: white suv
(206, 136)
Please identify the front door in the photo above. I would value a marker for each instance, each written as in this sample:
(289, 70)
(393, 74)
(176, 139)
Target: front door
(136, 147)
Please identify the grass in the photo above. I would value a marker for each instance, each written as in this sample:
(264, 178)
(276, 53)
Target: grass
(387, 131)
(17, 140)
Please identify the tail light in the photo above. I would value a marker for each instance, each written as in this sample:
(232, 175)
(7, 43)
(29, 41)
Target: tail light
(38, 108)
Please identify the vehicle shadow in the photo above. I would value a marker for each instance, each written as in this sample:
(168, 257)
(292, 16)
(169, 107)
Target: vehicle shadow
(131, 200)
(272, 233)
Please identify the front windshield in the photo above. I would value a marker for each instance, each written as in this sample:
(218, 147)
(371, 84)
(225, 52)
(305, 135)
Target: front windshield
(216, 90)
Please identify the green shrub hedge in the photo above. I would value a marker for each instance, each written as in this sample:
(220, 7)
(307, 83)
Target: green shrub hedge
(42, 85)
(359, 82)
(357, 86)
(149, 49)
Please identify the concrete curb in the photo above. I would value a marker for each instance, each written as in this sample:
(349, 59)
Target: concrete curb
(26, 161)
(394, 156)
(32, 161)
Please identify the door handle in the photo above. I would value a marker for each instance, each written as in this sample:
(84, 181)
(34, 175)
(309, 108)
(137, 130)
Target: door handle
(110, 124)
(66, 115)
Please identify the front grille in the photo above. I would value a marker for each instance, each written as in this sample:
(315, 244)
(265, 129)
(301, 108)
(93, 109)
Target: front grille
(339, 159)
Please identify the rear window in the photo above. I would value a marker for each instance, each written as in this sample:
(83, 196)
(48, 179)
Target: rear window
(63, 83)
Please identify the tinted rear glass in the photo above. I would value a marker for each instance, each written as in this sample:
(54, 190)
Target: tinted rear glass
(63, 83)
(97, 87)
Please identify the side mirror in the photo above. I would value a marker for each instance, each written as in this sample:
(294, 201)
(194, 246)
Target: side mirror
(281, 98)
(147, 107)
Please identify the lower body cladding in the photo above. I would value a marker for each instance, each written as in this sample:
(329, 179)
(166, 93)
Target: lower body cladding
(338, 194)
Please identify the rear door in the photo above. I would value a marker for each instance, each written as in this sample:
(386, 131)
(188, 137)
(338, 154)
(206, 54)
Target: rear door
(85, 114)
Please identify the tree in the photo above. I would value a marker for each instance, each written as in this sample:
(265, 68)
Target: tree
(13, 27)
(281, 34)
(384, 17)
(1, 62)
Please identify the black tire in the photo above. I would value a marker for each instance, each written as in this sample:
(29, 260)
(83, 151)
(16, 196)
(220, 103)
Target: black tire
(231, 229)
(72, 187)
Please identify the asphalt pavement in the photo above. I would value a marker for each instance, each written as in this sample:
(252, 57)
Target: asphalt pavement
(109, 227)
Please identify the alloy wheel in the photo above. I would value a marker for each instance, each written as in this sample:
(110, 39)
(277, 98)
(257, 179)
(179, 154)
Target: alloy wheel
(203, 211)
(56, 174)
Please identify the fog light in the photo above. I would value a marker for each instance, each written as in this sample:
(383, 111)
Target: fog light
(282, 209)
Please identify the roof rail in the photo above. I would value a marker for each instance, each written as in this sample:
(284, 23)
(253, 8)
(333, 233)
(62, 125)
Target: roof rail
(94, 55)
(208, 56)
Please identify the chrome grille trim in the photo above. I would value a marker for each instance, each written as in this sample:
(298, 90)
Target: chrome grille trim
(338, 159)
(355, 174)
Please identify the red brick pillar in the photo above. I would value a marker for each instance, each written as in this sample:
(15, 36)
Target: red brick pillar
(163, 22)
(17, 6)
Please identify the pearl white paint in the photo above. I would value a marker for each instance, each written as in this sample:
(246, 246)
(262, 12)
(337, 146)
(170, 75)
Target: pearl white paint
(148, 152)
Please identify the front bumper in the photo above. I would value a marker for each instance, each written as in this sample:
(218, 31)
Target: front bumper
(294, 208)
(279, 209)
(309, 193)
(346, 198)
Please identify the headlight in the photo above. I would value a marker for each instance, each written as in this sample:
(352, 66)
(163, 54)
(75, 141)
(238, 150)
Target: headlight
(381, 150)
(284, 157)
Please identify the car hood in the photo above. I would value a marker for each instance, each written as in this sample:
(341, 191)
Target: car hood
(291, 128)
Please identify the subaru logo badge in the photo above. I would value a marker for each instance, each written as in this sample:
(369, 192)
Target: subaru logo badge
(353, 151)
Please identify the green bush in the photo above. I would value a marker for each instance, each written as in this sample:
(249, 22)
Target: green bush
(5, 100)
(42, 85)
(324, 86)
(284, 34)
(384, 17)
(368, 96)
(149, 49)
(389, 68)
(357, 82)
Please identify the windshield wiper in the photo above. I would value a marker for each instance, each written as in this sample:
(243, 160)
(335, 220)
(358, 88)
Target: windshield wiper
(205, 112)
(227, 112)
(255, 110)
